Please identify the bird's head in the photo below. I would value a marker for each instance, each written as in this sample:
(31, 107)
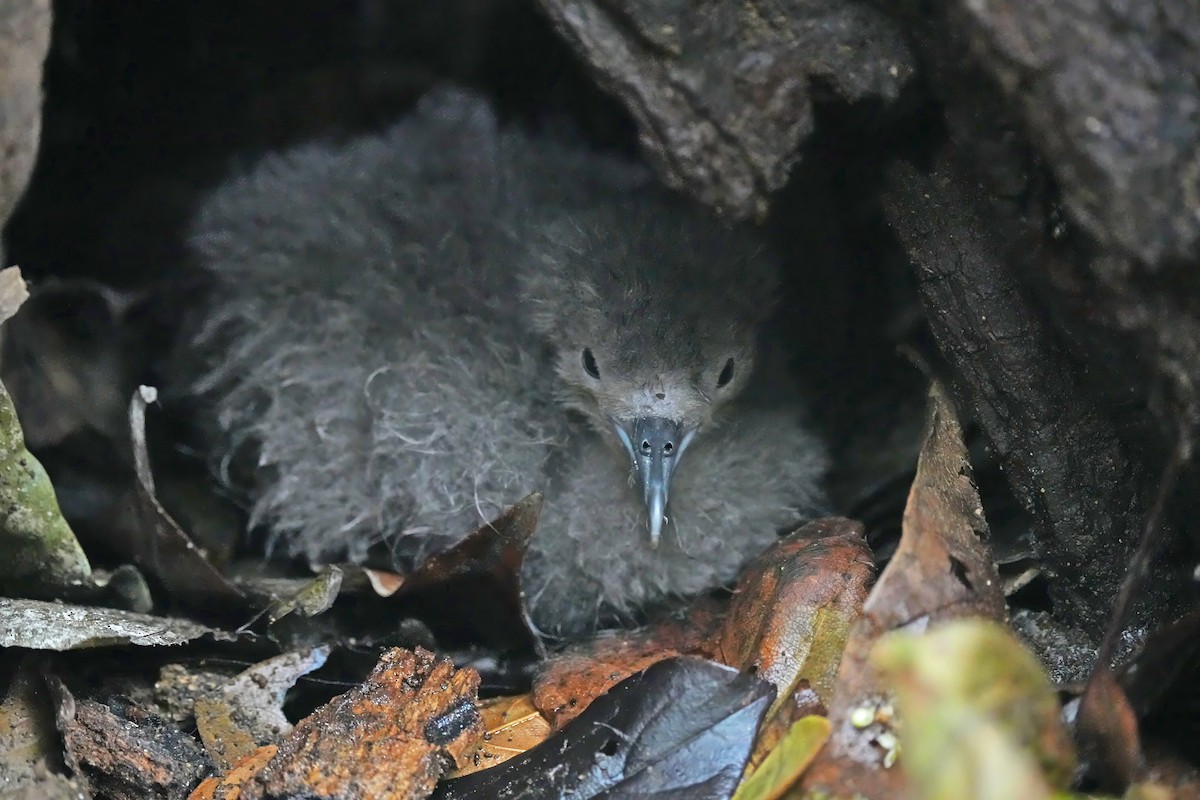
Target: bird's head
(652, 313)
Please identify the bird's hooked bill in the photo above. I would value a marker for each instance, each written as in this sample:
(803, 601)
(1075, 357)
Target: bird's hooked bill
(655, 445)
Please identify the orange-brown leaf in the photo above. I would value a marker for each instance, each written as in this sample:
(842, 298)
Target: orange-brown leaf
(511, 726)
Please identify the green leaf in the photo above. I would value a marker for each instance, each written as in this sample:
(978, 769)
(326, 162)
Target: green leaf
(787, 762)
(978, 717)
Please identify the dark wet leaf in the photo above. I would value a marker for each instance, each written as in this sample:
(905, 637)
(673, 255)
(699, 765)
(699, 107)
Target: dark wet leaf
(682, 728)
(788, 620)
(1163, 679)
(247, 712)
(942, 570)
(162, 549)
(486, 567)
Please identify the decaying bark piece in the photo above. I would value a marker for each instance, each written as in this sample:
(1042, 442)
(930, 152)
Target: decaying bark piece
(722, 91)
(24, 40)
(128, 754)
(390, 738)
(1061, 455)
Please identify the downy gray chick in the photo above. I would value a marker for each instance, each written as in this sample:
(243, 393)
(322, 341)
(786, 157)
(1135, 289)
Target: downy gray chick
(419, 328)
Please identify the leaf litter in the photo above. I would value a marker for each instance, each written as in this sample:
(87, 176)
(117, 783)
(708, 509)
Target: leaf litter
(799, 697)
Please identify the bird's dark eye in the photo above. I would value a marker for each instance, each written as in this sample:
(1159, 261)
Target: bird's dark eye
(726, 374)
(589, 364)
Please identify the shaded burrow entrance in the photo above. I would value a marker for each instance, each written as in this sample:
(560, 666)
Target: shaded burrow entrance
(922, 223)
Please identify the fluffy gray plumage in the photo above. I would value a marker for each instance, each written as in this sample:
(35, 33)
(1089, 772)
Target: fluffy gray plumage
(401, 328)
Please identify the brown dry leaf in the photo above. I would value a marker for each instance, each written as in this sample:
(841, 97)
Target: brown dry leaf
(794, 606)
(246, 711)
(789, 618)
(942, 570)
(1107, 730)
(390, 738)
(511, 726)
(229, 787)
(163, 549)
(384, 584)
(569, 681)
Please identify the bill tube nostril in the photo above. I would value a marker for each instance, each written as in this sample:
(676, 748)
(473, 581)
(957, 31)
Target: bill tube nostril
(660, 444)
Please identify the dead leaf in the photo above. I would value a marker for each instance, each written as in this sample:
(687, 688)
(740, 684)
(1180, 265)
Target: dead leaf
(489, 560)
(1166, 671)
(179, 685)
(794, 605)
(682, 728)
(803, 702)
(786, 761)
(569, 681)
(390, 738)
(941, 570)
(13, 292)
(40, 625)
(1107, 729)
(384, 584)
(247, 712)
(229, 786)
(162, 549)
(511, 726)
(788, 621)
(979, 717)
